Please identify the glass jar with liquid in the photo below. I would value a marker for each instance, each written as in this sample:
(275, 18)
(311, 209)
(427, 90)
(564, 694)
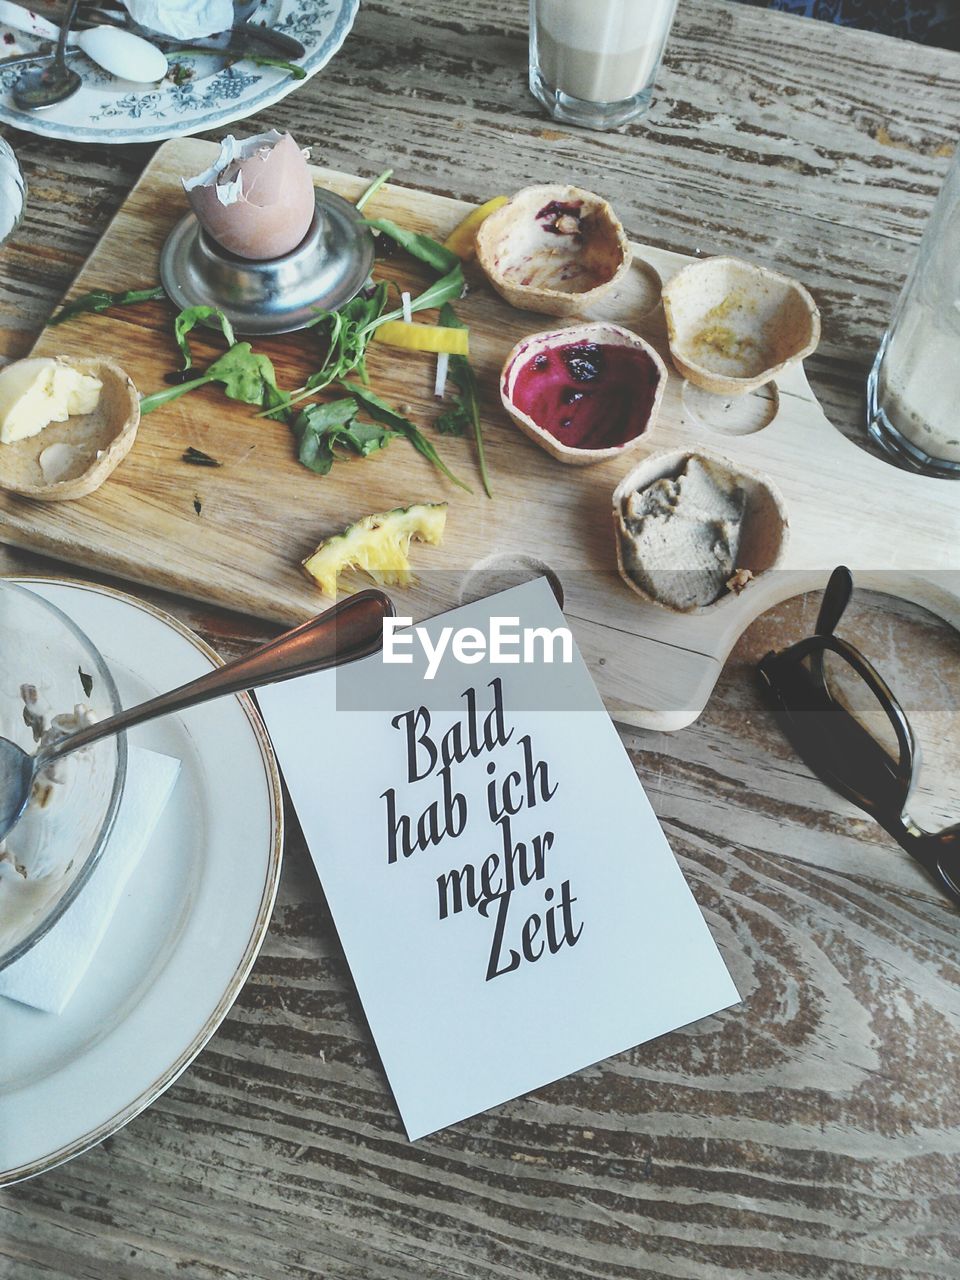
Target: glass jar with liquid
(594, 62)
(913, 391)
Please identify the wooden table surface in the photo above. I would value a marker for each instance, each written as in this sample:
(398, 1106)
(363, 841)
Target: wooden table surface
(814, 1130)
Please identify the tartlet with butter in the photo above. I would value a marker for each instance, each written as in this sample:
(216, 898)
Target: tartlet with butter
(66, 423)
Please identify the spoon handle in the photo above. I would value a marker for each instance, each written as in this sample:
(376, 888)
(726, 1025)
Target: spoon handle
(23, 59)
(286, 45)
(350, 630)
(71, 13)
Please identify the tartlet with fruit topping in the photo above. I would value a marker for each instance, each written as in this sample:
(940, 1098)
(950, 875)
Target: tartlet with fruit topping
(553, 249)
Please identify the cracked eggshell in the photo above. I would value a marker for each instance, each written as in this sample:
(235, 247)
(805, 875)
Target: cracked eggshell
(256, 200)
(733, 327)
(71, 459)
(553, 249)
(602, 334)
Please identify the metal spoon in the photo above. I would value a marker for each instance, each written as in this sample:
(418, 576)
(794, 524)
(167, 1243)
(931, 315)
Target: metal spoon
(240, 40)
(39, 88)
(124, 54)
(37, 56)
(348, 631)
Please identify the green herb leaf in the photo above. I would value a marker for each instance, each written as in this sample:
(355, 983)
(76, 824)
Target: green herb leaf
(193, 316)
(382, 412)
(322, 428)
(422, 247)
(447, 289)
(180, 74)
(466, 409)
(347, 332)
(261, 60)
(335, 413)
(99, 300)
(245, 374)
(453, 421)
(277, 402)
(86, 682)
(158, 399)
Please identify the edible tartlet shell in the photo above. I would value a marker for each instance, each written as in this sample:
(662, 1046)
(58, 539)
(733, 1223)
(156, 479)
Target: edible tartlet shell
(733, 326)
(555, 263)
(603, 335)
(764, 533)
(101, 440)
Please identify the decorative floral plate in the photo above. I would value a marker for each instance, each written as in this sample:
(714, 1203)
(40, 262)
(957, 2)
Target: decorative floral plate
(203, 91)
(189, 924)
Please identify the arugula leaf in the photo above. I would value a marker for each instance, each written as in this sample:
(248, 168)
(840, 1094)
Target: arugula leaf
(99, 300)
(350, 329)
(322, 428)
(453, 421)
(422, 247)
(347, 335)
(188, 320)
(157, 399)
(447, 289)
(466, 409)
(246, 376)
(258, 59)
(382, 412)
(262, 60)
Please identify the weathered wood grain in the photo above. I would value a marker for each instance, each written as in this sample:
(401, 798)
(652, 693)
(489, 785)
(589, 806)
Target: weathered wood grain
(241, 529)
(813, 1132)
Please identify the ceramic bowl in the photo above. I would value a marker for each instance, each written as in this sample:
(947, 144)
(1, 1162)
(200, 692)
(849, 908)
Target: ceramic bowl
(764, 529)
(53, 849)
(733, 327)
(553, 249)
(70, 459)
(598, 385)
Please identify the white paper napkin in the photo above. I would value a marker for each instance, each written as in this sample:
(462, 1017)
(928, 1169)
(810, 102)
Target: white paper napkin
(183, 19)
(47, 976)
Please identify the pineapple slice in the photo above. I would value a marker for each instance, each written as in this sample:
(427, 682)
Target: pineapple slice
(378, 544)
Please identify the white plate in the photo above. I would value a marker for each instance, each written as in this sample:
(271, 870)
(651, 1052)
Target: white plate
(109, 110)
(191, 920)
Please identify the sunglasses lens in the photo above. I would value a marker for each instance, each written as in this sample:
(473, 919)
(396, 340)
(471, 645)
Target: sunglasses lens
(849, 690)
(842, 729)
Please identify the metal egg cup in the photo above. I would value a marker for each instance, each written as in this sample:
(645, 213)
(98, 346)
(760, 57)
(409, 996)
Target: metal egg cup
(278, 295)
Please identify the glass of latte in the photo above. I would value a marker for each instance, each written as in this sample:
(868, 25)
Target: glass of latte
(593, 62)
(913, 391)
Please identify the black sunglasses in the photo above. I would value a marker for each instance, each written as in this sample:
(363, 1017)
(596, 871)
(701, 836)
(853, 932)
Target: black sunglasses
(812, 710)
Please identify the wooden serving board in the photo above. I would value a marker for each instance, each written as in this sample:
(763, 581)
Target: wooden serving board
(235, 535)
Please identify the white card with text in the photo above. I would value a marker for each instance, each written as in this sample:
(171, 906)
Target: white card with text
(506, 899)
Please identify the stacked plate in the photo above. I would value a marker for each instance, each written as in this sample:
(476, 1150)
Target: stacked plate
(204, 93)
(189, 924)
